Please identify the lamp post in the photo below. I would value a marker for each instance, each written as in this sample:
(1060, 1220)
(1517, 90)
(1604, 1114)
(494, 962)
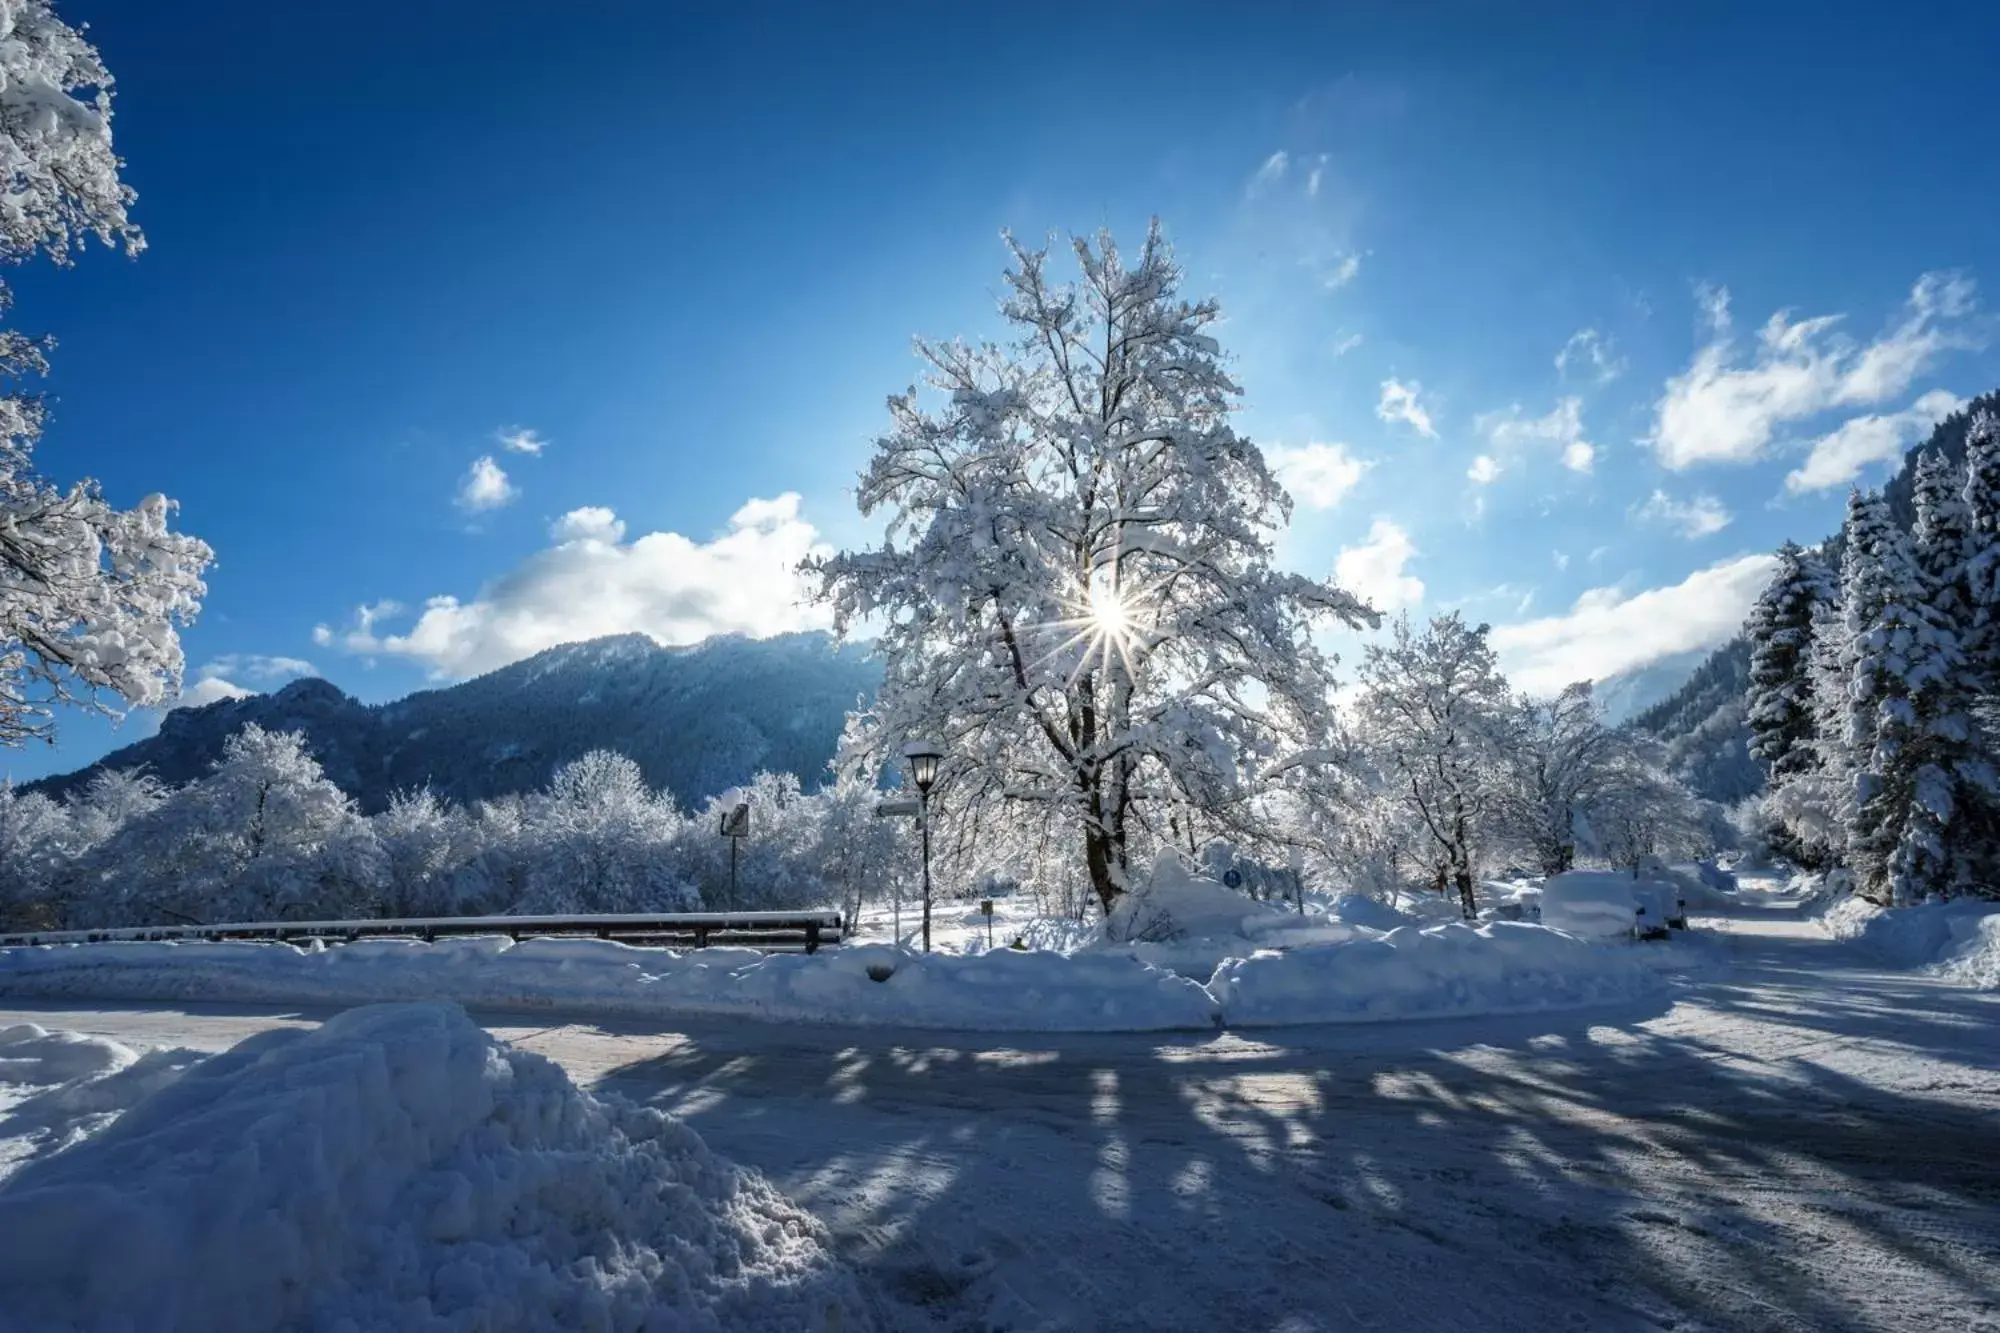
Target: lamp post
(924, 757)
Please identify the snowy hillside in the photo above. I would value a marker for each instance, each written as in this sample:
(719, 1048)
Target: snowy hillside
(697, 721)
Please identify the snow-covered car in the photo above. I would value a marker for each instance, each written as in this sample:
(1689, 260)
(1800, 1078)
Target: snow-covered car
(1610, 904)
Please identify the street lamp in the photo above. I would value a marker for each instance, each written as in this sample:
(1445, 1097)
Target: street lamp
(924, 757)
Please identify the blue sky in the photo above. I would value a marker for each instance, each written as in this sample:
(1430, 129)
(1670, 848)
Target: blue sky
(684, 249)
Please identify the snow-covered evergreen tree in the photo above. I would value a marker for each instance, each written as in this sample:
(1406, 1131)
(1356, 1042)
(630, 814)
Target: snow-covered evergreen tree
(1779, 698)
(89, 595)
(1981, 558)
(1075, 591)
(1435, 710)
(1911, 749)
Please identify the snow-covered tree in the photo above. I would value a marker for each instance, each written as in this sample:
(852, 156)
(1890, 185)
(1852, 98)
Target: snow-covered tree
(1075, 591)
(36, 840)
(1640, 812)
(1981, 558)
(1557, 753)
(90, 596)
(1435, 710)
(1779, 698)
(1912, 748)
(602, 842)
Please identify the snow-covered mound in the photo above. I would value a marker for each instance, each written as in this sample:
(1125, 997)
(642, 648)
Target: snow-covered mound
(1006, 990)
(36, 1057)
(1959, 939)
(395, 1169)
(1177, 904)
(1505, 967)
(57, 1088)
(1609, 904)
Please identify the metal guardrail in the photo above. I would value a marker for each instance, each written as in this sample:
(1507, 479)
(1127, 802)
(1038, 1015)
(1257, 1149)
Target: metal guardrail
(771, 931)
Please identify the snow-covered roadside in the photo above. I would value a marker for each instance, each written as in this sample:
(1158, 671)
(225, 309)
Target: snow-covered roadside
(1002, 991)
(1958, 941)
(395, 1168)
(1337, 973)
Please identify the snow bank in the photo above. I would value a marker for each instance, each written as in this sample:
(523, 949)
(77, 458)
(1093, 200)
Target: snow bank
(58, 1088)
(36, 1057)
(397, 1168)
(1505, 967)
(1959, 939)
(1177, 904)
(1005, 990)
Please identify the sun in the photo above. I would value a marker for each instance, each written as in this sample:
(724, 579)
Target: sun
(1110, 616)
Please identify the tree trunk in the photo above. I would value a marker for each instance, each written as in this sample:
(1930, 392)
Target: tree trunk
(1468, 902)
(1106, 860)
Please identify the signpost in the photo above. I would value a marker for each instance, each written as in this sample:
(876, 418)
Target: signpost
(896, 810)
(986, 910)
(735, 827)
(924, 757)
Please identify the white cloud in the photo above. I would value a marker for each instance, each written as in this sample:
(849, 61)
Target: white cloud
(1838, 458)
(361, 638)
(1718, 411)
(1343, 271)
(1399, 403)
(592, 523)
(1606, 632)
(1374, 569)
(206, 691)
(485, 486)
(1562, 559)
(1270, 173)
(1313, 177)
(1319, 476)
(216, 679)
(1346, 344)
(1702, 516)
(592, 583)
(1589, 349)
(520, 440)
(1483, 470)
(1512, 434)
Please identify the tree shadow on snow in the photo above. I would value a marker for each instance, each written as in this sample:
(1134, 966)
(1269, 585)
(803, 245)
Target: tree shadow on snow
(1586, 1170)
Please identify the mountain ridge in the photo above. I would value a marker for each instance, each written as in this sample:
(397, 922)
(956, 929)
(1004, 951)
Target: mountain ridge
(697, 719)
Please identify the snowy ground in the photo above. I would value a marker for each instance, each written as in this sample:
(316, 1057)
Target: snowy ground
(1793, 1140)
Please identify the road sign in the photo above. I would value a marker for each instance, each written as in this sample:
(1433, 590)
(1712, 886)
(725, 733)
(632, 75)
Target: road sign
(898, 809)
(736, 823)
(1232, 878)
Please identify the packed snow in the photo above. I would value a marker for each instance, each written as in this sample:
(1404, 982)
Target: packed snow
(1499, 968)
(398, 1168)
(1959, 939)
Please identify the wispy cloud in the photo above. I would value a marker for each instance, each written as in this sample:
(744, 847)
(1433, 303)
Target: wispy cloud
(520, 440)
(1270, 173)
(1319, 476)
(1840, 456)
(1399, 403)
(1343, 271)
(1720, 410)
(1701, 516)
(1512, 434)
(1607, 632)
(485, 486)
(1313, 176)
(1346, 343)
(1375, 569)
(592, 582)
(1483, 470)
(1590, 353)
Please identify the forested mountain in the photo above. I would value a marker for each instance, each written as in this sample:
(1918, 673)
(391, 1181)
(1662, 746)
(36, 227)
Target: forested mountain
(1702, 723)
(697, 720)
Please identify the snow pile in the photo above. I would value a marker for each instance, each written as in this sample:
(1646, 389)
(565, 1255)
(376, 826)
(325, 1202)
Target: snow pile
(1505, 967)
(1005, 990)
(36, 1057)
(1177, 904)
(57, 1088)
(397, 1168)
(1959, 939)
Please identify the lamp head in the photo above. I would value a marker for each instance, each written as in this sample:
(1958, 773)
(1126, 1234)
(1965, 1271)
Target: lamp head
(924, 757)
